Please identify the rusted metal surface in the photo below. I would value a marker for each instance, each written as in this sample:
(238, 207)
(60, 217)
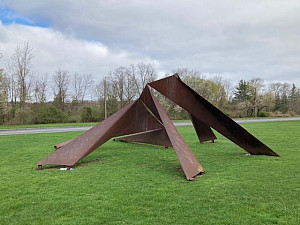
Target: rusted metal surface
(131, 119)
(154, 137)
(190, 165)
(144, 115)
(203, 131)
(57, 146)
(144, 120)
(147, 98)
(177, 91)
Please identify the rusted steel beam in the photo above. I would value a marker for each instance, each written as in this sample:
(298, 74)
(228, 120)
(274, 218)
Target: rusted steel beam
(189, 163)
(146, 121)
(154, 137)
(147, 99)
(177, 91)
(203, 131)
(57, 146)
(131, 119)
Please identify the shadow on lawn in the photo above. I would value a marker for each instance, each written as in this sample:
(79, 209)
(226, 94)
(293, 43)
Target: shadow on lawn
(77, 165)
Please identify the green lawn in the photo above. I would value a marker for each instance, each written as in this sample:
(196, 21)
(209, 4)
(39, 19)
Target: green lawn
(125, 183)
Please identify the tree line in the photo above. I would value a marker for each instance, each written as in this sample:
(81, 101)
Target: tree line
(27, 97)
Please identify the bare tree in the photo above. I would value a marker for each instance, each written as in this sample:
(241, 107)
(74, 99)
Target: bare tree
(285, 89)
(88, 82)
(144, 73)
(40, 86)
(99, 91)
(281, 92)
(61, 80)
(268, 101)
(196, 80)
(118, 82)
(256, 89)
(293, 98)
(228, 88)
(111, 93)
(275, 88)
(20, 75)
(184, 72)
(3, 96)
(21, 66)
(130, 89)
(77, 83)
(12, 83)
(221, 96)
(81, 85)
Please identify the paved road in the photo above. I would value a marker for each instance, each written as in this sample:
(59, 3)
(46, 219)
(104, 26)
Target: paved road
(72, 129)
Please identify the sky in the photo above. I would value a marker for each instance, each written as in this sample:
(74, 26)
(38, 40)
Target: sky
(235, 39)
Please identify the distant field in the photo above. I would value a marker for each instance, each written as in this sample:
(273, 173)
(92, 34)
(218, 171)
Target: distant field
(4, 127)
(126, 183)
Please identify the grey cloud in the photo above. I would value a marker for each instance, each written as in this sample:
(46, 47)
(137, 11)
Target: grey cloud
(255, 38)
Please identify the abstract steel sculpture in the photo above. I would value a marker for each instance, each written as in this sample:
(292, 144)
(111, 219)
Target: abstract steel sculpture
(145, 121)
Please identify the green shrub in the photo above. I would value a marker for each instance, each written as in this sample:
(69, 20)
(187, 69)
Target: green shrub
(86, 115)
(98, 113)
(49, 114)
(264, 114)
(23, 116)
(73, 119)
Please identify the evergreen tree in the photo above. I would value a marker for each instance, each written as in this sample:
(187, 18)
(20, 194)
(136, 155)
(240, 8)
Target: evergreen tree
(243, 92)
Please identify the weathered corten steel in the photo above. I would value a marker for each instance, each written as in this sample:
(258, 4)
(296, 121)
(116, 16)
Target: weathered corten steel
(132, 118)
(145, 117)
(57, 146)
(203, 131)
(148, 99)
(177, 91)
(154, 137)
(190, 165)
(145, 121)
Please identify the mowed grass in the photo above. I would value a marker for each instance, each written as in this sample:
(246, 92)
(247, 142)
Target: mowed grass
(127, 183)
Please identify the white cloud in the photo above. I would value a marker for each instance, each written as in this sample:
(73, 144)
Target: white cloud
(53, 50)
(239, 39)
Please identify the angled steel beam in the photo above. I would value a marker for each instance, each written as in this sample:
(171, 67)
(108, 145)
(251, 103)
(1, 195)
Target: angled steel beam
(190, 165)
(132, 118)
(148, 99)
(154, 137)
(203, 131)
(177, 91)
(57, 146)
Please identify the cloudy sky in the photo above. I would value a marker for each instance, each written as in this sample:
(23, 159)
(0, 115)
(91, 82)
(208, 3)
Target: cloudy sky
(237, 39)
